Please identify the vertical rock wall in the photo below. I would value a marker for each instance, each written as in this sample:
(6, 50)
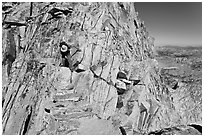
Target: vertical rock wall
(40, 97)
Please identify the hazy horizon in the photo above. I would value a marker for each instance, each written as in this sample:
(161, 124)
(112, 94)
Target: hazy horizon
(172, 23)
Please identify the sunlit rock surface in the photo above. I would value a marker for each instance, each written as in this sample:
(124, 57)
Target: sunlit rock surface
(42, 97)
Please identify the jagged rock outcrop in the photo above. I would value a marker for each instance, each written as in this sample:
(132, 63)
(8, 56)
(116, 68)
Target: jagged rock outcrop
(41, 96)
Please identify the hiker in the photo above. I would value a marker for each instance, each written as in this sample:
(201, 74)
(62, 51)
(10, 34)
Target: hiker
(65, 52)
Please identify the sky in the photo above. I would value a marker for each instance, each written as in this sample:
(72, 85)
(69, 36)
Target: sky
(172, 23)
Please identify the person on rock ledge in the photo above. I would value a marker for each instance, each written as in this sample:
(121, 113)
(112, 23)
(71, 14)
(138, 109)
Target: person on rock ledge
(65, 52)
(67, 60)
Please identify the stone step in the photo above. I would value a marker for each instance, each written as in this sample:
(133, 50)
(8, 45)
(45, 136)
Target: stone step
(67, 97)
(65, 111)
(76, 115)
(70, 104)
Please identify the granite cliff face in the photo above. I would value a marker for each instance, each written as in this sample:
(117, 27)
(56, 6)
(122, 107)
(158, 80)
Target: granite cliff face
(110, 84)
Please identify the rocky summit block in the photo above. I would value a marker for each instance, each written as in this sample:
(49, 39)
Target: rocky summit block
(79, 92)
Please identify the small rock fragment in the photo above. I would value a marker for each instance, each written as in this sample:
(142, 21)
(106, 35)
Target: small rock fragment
(119, 103)
(121, 75)
(135, 82)
(47, 110)
(121, 87)
(176, 86)
(122, 131)
(80, 68)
